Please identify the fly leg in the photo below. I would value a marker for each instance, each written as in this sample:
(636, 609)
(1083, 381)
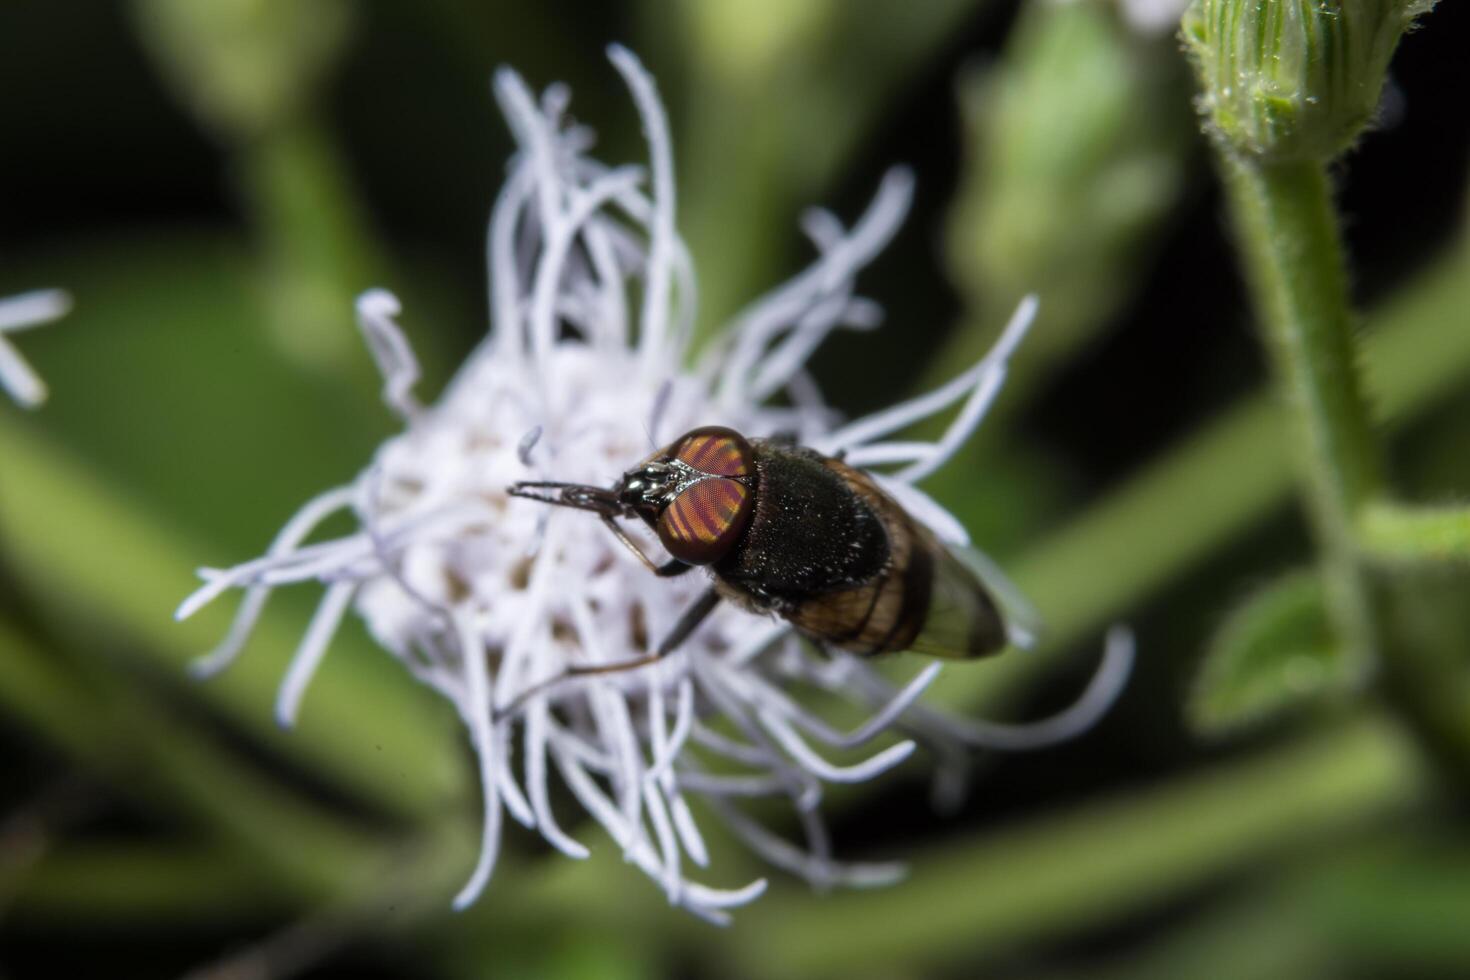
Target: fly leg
(668, 569)
(697, 613)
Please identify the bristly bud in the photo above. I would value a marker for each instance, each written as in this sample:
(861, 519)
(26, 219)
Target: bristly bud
(1293, 79)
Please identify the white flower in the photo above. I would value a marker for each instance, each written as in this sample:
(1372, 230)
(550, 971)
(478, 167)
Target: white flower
(487, 598)
(17, 313)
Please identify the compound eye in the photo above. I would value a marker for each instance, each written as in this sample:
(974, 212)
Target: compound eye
(715, 450)
(703, 523)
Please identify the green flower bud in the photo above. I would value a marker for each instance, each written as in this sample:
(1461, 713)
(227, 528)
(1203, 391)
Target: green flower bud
(1293, 79)
(1078, 139)
(243, 65)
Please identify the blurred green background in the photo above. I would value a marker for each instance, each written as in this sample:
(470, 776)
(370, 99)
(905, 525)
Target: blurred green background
(215, 180)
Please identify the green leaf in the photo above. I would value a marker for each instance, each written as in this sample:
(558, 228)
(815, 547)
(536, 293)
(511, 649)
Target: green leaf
(1274, 652)
(165, 381)
(126, 882)
(1400, 908)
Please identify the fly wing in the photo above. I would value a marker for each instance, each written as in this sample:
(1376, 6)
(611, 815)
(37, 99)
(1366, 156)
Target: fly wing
(1022, 621)
(963, 620)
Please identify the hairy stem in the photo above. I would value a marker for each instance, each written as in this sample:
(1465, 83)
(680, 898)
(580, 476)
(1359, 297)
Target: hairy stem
(1293, 257)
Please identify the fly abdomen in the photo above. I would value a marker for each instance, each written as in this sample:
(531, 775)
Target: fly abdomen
(885, 614)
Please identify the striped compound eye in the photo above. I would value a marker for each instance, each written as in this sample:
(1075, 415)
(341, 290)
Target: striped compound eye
(703, 522)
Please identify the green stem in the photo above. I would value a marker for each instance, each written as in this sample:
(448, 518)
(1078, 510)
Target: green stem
(1063, 874)
(1208, 945)
(1293, 256)
(1294, 263)
(318, 249)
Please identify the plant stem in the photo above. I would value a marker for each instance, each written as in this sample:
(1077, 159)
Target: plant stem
(1062, 874)
(1293, 257)
(318, 248)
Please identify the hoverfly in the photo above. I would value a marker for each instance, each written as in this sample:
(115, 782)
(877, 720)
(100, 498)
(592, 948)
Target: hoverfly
(786, 530)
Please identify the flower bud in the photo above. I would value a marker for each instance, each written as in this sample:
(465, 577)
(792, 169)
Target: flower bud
(1293, 79)
(243, 65)
(1078, 139)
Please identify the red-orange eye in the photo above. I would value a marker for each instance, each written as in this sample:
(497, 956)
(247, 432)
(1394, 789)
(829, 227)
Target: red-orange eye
(704, 522)
(715, 450)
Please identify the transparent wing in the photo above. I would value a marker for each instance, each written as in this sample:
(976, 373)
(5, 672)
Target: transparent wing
(964, 619)
(1022, 622)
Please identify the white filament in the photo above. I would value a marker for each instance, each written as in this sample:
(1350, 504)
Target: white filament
(19, 313)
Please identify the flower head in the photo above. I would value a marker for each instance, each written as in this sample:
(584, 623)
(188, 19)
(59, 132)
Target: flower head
(17, 313)
(489, 599)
